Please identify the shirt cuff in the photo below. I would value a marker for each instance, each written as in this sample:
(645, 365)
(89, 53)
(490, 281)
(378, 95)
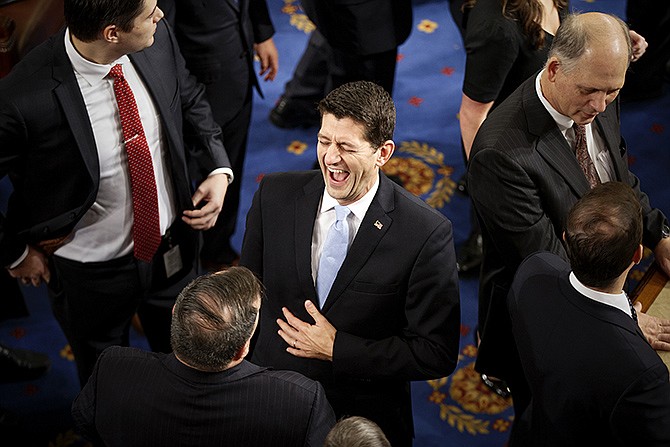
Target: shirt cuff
(227, 171)
(16, 263)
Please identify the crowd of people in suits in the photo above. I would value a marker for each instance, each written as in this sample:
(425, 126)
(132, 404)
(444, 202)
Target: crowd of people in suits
(125, 136)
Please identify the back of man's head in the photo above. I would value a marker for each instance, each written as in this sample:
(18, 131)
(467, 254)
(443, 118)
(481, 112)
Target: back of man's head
(356, 431)
(603, 233)
(595, 31)
(365, 103)
(214, 317)
(87, 18)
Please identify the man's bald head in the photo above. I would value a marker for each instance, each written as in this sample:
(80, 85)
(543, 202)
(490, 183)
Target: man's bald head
(583, 34)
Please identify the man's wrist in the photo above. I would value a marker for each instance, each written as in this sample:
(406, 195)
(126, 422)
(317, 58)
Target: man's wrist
(16, 263)
(227, 171)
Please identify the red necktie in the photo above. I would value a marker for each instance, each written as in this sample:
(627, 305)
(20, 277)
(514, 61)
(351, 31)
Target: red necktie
(146, 222)
(582, 154)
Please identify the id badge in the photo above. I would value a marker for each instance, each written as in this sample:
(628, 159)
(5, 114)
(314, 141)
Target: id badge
(172, 261)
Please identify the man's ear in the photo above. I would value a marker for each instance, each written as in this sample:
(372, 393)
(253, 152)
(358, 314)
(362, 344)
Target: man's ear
(552, 68)
(385, 152)
(242, 352)
(110, 33)
(639, 254)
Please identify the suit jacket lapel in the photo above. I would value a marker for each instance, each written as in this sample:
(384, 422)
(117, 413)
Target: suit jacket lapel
(551, 144)
(171, 136)
(306, 208)
(557, 152)
(156, 89)
(373, 228)
(74, 108)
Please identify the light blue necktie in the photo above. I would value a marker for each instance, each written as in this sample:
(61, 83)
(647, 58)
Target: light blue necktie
(333, 253)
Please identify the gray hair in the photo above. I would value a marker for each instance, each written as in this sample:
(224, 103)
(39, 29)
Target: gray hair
(356, 431)
(575, 36)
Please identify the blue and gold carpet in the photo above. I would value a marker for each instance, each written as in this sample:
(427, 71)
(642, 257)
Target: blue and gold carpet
(454, 411)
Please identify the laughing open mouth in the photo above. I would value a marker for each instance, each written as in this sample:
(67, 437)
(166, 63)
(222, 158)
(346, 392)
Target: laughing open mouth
(337, 175)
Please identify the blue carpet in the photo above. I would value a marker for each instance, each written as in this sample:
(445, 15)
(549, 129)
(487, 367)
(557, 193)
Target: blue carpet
(455, 411)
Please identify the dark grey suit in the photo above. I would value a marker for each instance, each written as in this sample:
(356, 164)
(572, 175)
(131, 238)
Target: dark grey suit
(140, 398)
(394, 302)
(523, 178)
(595, 379)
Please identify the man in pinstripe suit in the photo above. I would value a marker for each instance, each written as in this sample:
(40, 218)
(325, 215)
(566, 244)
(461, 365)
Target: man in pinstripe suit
(524, 176)
(204, 393)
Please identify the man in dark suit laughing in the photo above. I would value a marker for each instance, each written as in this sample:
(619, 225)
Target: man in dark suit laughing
(362, 290)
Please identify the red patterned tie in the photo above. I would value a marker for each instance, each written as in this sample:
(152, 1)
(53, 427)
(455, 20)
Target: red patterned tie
(582, 154)
(146, 222)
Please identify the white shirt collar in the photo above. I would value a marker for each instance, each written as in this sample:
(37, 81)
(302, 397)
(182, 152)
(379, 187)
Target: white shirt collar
(91, 72)
(358, 208)
(564, 122)
(618, 300)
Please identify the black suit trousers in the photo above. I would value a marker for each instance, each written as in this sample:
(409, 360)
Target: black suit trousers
(94, 304)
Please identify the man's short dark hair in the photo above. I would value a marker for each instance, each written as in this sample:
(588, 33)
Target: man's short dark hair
(604, 229)
(367, 104)
(356, 431)
(214, 317)
(87, 18)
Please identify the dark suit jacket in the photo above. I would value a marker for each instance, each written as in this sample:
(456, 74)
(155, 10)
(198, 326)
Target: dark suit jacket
(216, 39)
(523, 178)
(594, 378)
(394, 303)
(48, 149)
(138, 398)
(361, 27)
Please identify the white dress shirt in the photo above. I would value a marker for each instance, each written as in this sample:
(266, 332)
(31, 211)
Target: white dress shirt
(326, 217)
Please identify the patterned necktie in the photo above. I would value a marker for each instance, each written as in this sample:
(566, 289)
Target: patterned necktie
(583, 158)
(146, 222)
(633, 314)
(333, 253)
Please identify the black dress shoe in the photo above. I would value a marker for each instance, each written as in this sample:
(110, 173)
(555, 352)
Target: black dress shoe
(291, 113)
(470, 255)
(20, 364)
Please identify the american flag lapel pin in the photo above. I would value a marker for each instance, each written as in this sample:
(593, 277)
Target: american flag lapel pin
(378, 224)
